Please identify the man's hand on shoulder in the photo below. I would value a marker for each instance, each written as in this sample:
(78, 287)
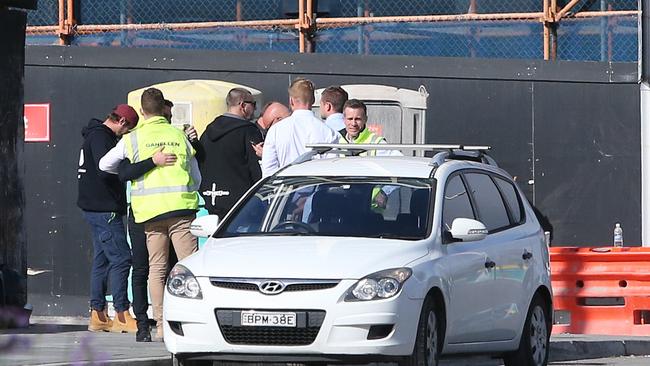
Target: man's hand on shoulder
(161, 158)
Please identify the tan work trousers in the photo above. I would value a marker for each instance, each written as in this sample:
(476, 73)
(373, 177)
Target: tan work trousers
(159, 233)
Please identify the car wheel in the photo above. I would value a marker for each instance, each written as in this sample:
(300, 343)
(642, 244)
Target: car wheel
(426, 351)
(535, 338)
(181, 362)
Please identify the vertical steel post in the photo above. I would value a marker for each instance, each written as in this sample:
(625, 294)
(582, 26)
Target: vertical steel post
(310, 24)
(472, 7)
(62, 22)
(644, 74)
(553, 31)
(301, 20)
(603, 32)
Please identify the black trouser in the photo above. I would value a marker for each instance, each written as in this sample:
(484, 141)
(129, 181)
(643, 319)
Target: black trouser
(140, 269)
(140, 274)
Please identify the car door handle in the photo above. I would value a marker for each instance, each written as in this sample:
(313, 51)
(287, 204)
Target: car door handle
(490, 264)
(527, 255)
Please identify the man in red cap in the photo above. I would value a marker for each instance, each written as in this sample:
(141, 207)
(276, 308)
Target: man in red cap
(102, 199)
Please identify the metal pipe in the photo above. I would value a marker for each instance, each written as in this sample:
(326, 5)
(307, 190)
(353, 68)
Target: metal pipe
(547, 32)
(432, 18)
(472, 7)
(182, 26)
(591, 14)
(61, 27)
(310, 10)
(309, 22)
(301, 33)
(330, 21)
(238, 11)
(71, 20)
(565, 9)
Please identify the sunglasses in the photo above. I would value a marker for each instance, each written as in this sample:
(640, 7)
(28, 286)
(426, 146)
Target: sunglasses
(254, 103)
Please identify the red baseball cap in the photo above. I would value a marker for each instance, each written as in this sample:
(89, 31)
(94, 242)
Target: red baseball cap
(127, 112)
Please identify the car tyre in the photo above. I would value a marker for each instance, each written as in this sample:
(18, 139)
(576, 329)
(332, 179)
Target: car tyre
(426, 351)
(535, 338)
(180, 362)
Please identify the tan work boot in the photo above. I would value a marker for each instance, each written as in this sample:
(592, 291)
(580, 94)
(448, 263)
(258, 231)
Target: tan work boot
(99, 321)
(159, 333)
(158, 316)
(124, 323)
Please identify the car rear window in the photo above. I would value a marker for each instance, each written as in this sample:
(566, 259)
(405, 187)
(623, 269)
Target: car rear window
(489, 204)
(512, 199)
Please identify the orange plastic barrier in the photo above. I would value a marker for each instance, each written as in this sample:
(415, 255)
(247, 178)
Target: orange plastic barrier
(601, 290)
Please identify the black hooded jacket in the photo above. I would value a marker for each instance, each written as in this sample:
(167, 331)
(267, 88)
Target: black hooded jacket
(230, 166)
(98, 191)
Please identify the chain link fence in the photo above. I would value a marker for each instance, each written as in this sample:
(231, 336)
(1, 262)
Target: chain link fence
(376, 8)
(441, 28)
(483, 39)
(222, 38)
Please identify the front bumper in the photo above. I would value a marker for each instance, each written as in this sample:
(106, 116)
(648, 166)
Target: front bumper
(342, 336)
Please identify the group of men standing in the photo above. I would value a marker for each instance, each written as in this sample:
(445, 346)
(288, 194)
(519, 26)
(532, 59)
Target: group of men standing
(168, 169)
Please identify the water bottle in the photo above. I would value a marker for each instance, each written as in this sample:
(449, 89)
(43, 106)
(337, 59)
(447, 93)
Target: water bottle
(618, 235)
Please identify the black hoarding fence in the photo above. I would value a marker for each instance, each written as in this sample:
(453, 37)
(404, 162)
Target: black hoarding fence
(604, 30)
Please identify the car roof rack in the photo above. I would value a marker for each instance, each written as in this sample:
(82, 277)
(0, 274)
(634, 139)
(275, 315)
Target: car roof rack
(479, 156)
(476, 153)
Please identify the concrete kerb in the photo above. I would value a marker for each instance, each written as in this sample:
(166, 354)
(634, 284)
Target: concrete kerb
(567, 347)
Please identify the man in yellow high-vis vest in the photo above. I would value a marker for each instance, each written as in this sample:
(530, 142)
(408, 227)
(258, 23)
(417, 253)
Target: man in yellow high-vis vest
(165, 198)
(355, 117)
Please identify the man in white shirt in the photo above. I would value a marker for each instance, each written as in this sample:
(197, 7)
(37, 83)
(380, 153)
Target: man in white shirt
(332, 100)
(286, 140)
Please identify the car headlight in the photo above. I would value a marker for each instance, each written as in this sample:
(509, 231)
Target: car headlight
(379, 285)
(182, 283)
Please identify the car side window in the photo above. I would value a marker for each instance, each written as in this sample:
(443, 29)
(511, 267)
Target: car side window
(512, 199)
(489, 204)
(457, 203)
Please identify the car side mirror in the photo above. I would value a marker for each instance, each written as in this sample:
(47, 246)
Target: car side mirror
(468, 230)
(204, 226)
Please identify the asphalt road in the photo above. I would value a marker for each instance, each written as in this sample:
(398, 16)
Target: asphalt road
(612, 361)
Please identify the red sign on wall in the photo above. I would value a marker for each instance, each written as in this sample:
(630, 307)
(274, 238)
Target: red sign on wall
(37, 122)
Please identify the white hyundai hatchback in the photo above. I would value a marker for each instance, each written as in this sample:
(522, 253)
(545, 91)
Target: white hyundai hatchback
(361, 259)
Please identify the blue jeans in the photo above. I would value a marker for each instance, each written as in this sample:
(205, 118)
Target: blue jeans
(111, 258)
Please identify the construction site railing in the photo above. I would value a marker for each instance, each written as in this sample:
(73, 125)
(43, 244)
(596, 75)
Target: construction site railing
(576, 30)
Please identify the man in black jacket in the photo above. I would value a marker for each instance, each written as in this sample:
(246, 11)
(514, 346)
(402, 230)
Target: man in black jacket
(102, 199)
(230, 166)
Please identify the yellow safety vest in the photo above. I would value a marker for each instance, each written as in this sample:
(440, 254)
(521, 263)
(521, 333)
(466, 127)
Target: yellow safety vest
(368, 137)
(365, 137)
(162, 189)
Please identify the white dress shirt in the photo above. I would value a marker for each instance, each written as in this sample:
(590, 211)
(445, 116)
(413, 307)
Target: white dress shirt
(335, 122)
(286, 140)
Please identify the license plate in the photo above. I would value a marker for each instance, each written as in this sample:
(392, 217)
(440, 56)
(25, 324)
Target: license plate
(267, 319)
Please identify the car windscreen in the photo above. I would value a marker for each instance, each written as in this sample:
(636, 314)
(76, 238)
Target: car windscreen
(334, 206)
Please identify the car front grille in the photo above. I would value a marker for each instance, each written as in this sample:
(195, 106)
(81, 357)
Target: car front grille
(310, 286)
(291, 285)
(308, 324)
(236, 285)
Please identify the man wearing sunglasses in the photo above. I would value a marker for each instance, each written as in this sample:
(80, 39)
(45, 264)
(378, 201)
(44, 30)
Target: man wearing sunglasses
(230, 166)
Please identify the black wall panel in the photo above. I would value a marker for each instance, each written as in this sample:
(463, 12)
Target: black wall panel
(588, 161)
(13, 250)
(569, 132)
